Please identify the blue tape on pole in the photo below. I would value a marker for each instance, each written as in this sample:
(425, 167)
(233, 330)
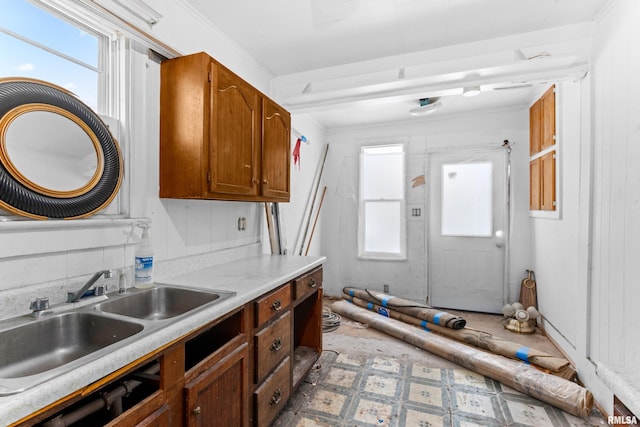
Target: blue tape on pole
(436, 318)
(352, 292)
(384, 301)
(383, 312)
(523, 354)
(424, 324)
(370, 306)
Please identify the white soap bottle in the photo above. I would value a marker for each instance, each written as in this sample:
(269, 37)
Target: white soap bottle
(144, 260)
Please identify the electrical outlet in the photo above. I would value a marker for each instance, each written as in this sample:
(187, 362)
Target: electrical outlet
(416, 212)
(242, 223)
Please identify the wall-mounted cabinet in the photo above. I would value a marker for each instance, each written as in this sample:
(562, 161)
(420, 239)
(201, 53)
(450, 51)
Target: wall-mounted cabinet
(220, 138)
(543, 152)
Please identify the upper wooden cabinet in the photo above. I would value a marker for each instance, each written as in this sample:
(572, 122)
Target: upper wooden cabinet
(276, 128)
(542, 122)
(220, 138)
(542, 152)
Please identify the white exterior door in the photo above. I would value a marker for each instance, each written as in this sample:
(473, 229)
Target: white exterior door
(467, 232)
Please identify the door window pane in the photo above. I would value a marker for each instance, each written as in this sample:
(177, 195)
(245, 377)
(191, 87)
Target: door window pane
(467, 199)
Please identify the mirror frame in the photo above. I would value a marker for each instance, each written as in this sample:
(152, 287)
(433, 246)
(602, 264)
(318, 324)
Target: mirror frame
(17, 195)
(5, 157)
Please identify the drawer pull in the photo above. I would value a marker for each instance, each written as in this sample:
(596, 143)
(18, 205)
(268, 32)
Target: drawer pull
(276, 398)
(277, 344)
(277, 305)
(312, 283)
(196, 411)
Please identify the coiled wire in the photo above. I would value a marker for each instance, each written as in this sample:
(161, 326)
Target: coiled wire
(330, 320)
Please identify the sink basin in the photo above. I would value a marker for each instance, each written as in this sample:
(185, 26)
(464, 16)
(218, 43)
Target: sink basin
(160, 302)
(44, 344)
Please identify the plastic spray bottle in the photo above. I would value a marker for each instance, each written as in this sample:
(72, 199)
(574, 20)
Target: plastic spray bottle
(144, 260)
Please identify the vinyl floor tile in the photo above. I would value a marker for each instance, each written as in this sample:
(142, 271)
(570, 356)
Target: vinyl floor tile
(360, 391)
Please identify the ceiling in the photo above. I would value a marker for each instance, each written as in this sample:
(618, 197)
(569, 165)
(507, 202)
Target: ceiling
(356, 62)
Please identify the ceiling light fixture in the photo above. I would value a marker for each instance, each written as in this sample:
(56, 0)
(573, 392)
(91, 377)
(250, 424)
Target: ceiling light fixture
(471, 91)
(427, 106)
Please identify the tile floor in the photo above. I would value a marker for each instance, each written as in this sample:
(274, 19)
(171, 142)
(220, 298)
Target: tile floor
(347, 390)
(367, 378)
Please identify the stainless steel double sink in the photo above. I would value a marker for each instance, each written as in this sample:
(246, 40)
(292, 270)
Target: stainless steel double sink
(34, 350)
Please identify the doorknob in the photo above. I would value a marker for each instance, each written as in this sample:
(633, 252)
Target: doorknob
(500, 238)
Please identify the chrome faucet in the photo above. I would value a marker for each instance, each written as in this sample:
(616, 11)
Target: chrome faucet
(75, 297)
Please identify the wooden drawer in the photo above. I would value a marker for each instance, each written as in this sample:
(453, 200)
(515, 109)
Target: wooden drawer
(272, 344)
(272, 304)
(271, 397)
(307, 283)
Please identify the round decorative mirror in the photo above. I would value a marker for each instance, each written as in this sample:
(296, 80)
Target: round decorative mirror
(57, 158)
(64, 163)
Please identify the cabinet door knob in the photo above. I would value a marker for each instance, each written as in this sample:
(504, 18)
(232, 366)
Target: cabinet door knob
(277, 305)
(277, 344)
(264, 181)
(196, 411)
(312, 283)
(276, 398)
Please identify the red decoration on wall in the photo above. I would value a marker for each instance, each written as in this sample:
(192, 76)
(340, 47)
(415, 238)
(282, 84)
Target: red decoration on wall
(296, 153)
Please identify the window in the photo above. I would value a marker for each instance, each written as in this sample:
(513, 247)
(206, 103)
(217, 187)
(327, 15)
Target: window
(381, 232)
(467, 199)
(36, 44)
(66, 47)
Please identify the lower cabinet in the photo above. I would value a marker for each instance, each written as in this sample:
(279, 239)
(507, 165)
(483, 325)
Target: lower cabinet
(218, 396)
(238, 370)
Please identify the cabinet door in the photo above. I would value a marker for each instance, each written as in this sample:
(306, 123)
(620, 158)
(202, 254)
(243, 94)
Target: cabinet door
(548, 136)
(235, 132)
(548, 181)
(534, 184)
(219, 396)
(535, 125)
(276, 131)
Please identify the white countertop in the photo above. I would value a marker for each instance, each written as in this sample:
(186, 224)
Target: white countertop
(249, 278)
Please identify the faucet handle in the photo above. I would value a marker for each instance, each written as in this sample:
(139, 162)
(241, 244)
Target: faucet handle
(100, 290)
(39, 304)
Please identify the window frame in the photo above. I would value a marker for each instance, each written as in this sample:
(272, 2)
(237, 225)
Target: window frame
(382, 256)
(111, 80)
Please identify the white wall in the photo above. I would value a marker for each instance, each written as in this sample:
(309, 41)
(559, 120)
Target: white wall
(586, 261)
(555, 242)
(407, 279)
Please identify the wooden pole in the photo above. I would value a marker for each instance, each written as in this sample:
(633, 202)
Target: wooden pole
(556, 391)
(315, 220)
(313, 201)
(272, 236)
